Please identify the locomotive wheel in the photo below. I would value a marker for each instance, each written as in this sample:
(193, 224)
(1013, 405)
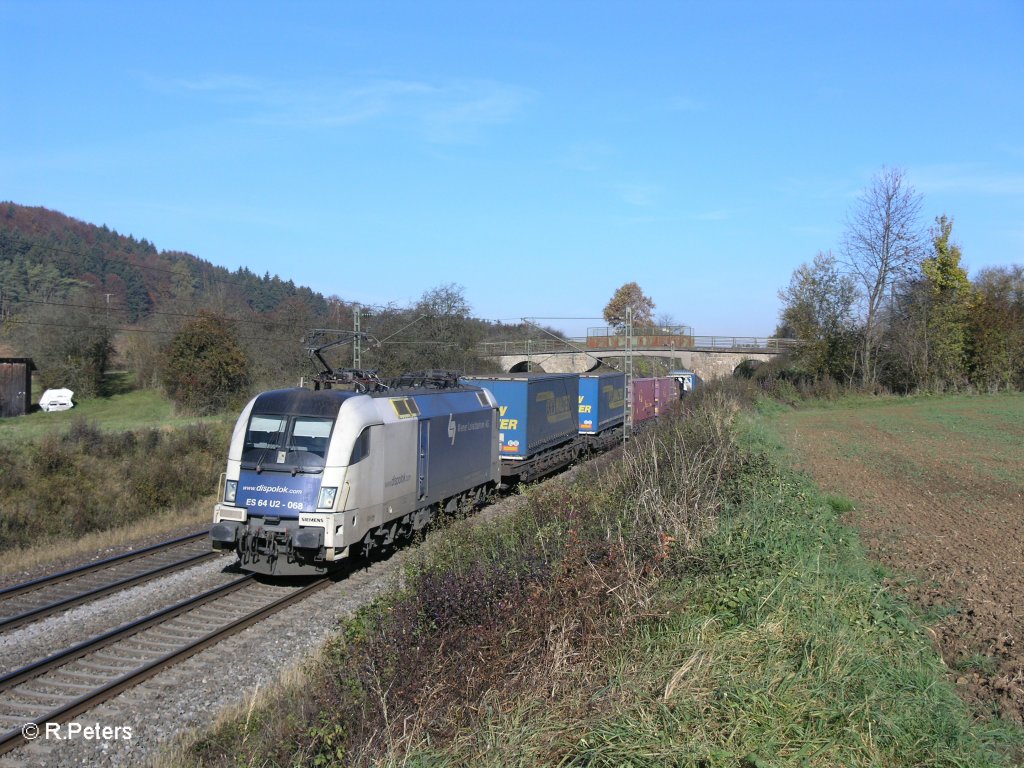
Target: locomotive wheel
(369, 545)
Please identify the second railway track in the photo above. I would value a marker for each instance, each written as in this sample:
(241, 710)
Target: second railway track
(68, 683)
(45, 596)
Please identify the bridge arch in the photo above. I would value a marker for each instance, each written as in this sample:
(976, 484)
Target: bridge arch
(707, 365)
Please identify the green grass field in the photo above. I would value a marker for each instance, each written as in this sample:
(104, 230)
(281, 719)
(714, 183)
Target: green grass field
(139, 409)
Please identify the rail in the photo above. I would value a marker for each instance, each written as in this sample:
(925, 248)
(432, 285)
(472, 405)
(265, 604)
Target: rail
(83, 687)
(33, 600)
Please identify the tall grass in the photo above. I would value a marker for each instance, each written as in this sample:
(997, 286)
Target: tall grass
(694, 604)
(84, 480)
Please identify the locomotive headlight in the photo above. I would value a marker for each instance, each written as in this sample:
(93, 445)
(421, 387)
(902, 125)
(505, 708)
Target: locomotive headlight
(327, 496)
(230, 489)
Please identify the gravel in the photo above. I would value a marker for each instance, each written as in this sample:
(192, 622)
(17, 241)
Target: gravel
(194, 693)
(39, 639)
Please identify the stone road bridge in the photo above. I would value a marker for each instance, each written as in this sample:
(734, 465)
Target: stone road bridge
(710, 357)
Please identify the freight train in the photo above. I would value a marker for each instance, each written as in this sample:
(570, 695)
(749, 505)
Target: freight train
(314, 477)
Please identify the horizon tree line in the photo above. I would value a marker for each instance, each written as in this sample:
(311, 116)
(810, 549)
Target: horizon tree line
(894, 309)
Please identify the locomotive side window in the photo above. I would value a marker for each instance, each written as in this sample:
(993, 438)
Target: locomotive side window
(361, 447)
(405, 407)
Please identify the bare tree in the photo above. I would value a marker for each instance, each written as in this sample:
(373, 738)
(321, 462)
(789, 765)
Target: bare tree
(883, 243)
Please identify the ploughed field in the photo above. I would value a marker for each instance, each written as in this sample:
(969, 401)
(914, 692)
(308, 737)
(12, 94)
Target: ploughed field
(938, 489)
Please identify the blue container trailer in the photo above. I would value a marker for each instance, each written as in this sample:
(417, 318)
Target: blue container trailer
(602, 401)
(538, 420)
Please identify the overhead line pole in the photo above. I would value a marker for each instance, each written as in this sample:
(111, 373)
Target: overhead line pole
(628, 432)
(357, 343)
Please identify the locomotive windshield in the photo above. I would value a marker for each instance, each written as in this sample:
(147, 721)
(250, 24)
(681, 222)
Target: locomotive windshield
(280, 442)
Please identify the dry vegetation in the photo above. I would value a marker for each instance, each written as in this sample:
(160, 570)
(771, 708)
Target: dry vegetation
(695, 604)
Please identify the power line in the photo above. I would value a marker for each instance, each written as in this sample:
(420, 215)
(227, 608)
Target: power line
(79, 327)
(7, 237)
(151, 312)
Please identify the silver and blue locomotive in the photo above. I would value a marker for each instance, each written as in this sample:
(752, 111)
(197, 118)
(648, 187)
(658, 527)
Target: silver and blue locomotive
(314, 476)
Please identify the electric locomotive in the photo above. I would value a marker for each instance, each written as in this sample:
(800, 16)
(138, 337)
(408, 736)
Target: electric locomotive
(314, 476)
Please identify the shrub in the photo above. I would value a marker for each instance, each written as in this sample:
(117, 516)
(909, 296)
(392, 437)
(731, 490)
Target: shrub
(87, 480)
(205, 369)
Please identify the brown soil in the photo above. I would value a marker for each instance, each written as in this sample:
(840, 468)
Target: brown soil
(946, 515)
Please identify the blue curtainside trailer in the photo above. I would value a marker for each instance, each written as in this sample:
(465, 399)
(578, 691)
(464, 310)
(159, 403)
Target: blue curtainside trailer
(537, 420)
(602, 401)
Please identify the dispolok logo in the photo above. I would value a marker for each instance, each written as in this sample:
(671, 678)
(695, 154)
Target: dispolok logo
(451, 428)
(280, 495)
(397, 480)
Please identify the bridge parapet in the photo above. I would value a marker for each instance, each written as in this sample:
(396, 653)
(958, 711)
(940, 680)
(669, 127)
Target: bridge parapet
(640, 343)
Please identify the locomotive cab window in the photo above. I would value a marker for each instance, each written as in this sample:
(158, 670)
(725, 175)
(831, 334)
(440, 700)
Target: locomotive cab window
(297, 443)
(311, 435)
(264, 435)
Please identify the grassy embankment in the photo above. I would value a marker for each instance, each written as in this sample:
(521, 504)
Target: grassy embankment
(696, 604)
(110, 471)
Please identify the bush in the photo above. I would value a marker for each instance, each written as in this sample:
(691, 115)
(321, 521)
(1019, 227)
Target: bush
(86, 480)
(205, 369)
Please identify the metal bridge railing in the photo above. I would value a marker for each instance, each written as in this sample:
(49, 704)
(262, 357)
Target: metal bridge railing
(652, 340)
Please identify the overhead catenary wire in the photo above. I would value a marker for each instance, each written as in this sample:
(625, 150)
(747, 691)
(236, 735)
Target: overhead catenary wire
(6, 236)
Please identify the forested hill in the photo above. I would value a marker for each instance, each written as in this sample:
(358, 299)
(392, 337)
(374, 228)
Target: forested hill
(81, 299)
(46, 256)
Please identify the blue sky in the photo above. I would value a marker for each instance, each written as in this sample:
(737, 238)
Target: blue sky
(538, 154)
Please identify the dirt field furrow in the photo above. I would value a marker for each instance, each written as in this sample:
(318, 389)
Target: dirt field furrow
(938, 485)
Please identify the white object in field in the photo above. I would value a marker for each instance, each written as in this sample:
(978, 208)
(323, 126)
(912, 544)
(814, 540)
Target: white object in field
(56, 400)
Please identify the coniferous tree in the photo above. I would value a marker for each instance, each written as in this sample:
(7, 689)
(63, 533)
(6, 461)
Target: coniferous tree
(950, 297)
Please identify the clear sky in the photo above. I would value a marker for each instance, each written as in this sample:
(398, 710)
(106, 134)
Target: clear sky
(540, 154)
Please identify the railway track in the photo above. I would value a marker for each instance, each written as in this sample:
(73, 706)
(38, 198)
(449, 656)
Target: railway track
(45, 596)
(64, 685)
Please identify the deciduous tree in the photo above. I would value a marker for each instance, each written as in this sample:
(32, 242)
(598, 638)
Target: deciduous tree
(629, 296)
(997, 329)
(205, 368)
(818, 309)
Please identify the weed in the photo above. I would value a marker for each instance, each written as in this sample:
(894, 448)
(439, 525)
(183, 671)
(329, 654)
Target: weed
(695, 605)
